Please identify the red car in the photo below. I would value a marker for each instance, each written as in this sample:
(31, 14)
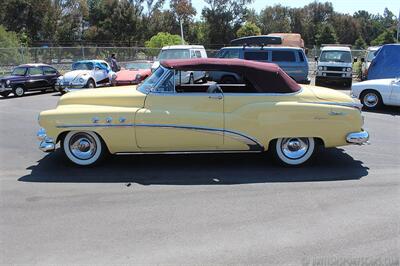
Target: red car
(134, 73)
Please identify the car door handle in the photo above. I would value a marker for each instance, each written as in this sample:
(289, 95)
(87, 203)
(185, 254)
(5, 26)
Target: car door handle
(217, 97)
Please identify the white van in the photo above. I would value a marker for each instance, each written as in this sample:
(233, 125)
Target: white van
(334, 65)
(183, 52)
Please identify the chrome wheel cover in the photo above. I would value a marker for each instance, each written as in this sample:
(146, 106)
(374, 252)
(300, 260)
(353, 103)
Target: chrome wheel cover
(294, 148)
(91, 85)
(370, 99)
(19, 91)
(82, 146)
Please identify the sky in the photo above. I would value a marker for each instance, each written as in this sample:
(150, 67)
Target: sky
(342, 6)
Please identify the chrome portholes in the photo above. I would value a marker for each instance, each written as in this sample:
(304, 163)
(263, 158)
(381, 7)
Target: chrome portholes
(82, 146)
(294, 148)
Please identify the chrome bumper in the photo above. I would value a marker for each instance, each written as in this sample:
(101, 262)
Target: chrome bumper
(47, 144)
(357, 137)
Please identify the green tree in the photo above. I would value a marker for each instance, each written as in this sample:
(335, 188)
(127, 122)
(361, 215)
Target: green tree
(163, 39)
(326, 35)
(222, 19)
(360, 43)
(384, 38)
(248, 29)
(275, 19)
(9, 39)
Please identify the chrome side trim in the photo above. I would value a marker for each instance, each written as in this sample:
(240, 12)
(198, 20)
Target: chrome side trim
(254, 144)
(249, 141)
(187, 152)
(352, 105)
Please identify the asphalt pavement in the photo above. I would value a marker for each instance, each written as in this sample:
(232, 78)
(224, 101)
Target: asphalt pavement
(197, 209)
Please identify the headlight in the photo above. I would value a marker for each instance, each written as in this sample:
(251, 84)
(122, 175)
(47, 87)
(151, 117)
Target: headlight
(320, 68)
(7, 82)
(349, 69)
(325, 68)
(343, 69)
(81, 80)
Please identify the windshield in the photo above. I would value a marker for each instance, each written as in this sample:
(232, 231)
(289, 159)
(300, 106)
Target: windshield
(82, 66)
(19, 71)
(142, 65)
(370, 56)
(336, 56)
(151, 81)
(174, 54)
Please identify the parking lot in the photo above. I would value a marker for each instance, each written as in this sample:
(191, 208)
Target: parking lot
(198, 209)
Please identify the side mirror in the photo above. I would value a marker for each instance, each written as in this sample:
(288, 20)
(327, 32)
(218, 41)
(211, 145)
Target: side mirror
(362, 59)
(316, 58)
(355, 60)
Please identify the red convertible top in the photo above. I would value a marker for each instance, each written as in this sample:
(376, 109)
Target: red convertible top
(265, 77)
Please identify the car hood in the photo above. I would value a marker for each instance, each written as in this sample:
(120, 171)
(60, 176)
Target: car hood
(372, 82)
(76, 74)
(125, 96)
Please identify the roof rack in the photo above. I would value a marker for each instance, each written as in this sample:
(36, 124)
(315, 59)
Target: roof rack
(261, 40)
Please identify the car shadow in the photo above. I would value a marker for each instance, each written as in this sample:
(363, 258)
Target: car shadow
(388, 110)
(27, 94)
(213, 169)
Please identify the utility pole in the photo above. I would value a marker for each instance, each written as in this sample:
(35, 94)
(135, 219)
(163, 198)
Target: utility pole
(183, 41)
(398, 26)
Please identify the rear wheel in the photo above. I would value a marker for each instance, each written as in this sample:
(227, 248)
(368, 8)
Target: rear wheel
(293, 151)
(371, 99)
(90, 84)
(19, 91)
(84, 147)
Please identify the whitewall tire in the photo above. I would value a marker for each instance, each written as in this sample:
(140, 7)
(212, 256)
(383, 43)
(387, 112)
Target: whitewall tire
(293, 151)
(83, 147)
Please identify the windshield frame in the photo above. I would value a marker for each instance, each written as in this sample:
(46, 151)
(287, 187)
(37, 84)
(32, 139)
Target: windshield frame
(153, 87)
(335, 61)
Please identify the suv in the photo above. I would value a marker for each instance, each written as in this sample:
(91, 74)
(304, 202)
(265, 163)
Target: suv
(183, 52)
(291, 59)
(29, 77)
(334, 65)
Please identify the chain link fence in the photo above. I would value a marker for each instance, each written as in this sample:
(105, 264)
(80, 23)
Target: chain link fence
(63, 57)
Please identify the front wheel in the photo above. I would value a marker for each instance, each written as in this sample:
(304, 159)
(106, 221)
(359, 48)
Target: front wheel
(90, 84)
(371, 99)
(19, 91)
(293, 151)
(83, 147)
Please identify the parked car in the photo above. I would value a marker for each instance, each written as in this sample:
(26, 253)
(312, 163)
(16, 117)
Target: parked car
(291, 59)
(183, 52)
(133, 73)
(29, 77)
(366, 62)
(86, 74)
(377, 92)
(334, 65)
(270, 112)
(386, 64)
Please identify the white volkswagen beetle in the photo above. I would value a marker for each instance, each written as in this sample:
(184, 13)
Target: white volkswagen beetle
(86, 74)
(377, 92)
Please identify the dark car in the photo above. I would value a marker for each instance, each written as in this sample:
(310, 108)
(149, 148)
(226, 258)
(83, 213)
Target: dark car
(29, 77)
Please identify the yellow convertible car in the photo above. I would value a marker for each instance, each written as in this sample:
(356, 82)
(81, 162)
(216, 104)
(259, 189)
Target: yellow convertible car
(265, 110)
